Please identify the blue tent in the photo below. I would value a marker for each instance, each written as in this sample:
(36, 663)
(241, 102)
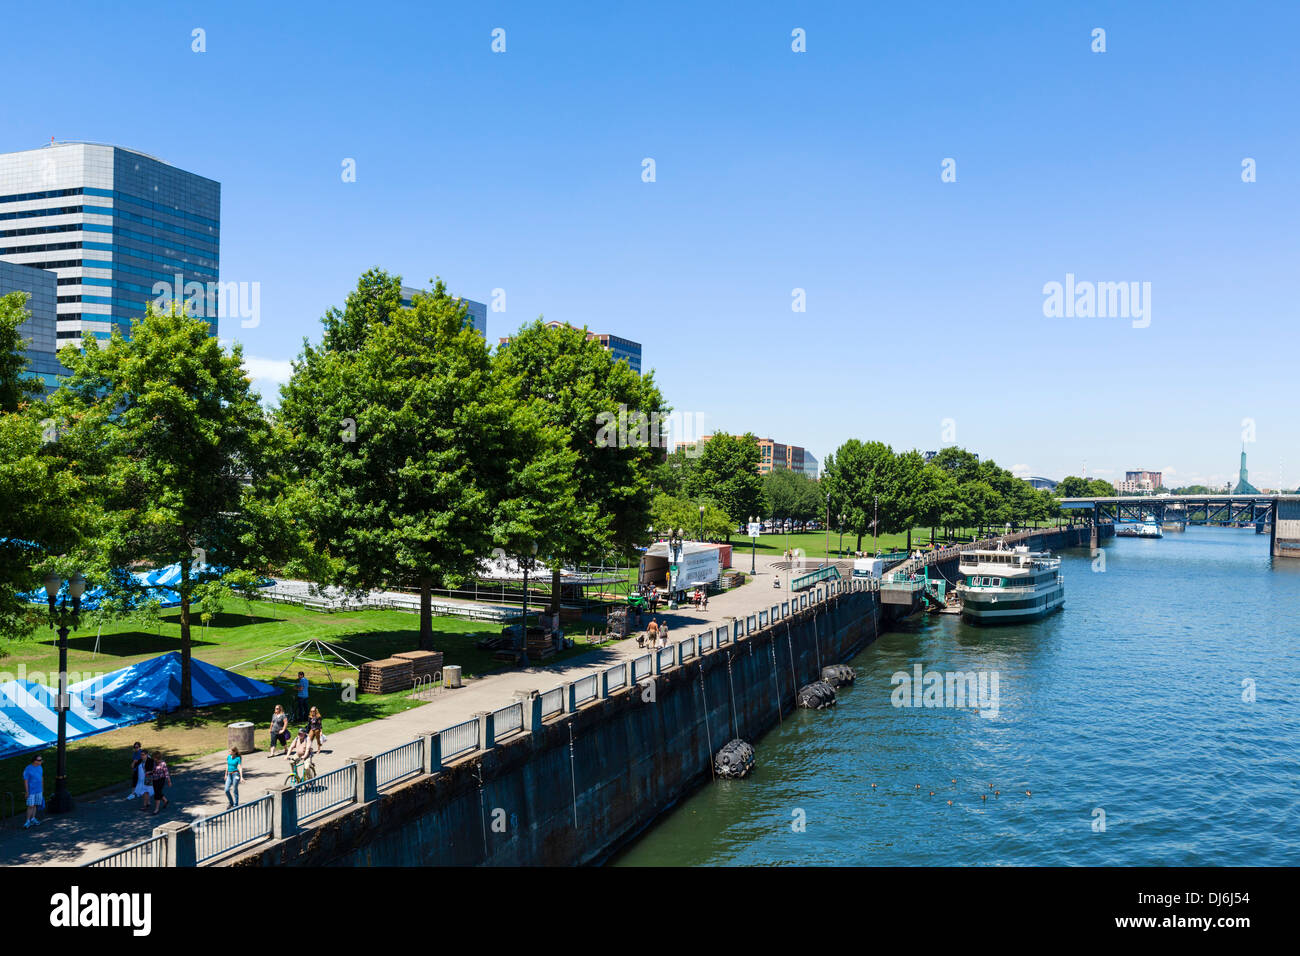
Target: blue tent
(155, 685)
(158, 584)
(29, 717)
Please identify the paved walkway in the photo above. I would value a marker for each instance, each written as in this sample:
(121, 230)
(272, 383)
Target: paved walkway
(110, 821)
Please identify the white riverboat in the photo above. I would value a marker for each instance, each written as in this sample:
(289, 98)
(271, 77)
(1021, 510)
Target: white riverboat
(1004, 586)
(1148, 528)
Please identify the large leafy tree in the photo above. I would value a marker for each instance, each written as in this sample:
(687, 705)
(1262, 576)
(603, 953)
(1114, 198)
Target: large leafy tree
(864, 481)
(412, 459)
(165, 432)
(791, 494)
(45, 514)
(606, 415)
(726, 472)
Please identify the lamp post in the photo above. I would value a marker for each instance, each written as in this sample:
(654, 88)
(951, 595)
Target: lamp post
(828, 532)
(523, 628)
(875, 522)
(753, 538)
(701, 522)
(841, 536)
(675, 541)
(62, 801)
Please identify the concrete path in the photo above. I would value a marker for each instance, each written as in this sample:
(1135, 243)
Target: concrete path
(107, 822)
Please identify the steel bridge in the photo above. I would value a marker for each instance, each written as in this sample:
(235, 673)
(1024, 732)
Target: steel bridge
(1275, 515)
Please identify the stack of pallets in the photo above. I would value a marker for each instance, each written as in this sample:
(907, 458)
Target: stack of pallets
(386, 676)
(540, 646)
(424, 664)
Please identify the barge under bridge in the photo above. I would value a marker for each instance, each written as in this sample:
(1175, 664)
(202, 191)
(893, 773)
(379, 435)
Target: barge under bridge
(1276, 515)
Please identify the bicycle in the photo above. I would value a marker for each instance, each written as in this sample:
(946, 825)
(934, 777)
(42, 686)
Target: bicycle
(301, 771)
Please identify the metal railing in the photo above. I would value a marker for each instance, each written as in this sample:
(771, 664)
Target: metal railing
(616, 677)
(706, 642)
(460, 739)
(150, 852)
(585, 689)
(230, 829)
(393, 765)
(325, 792)
(665, 657)
(643, 666)
(553, 701)
(688, 648)
(508, 720)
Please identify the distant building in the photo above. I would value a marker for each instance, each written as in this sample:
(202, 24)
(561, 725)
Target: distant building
(1047, 483)
(41, 327)
(772, 456)
(621, 349)
(810, 464)
(1140, 482)
(477, 310)
(1244, 487)
(929, 456)
(117, 227)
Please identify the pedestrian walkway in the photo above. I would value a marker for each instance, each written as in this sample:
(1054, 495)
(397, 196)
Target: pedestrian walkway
(101, 824)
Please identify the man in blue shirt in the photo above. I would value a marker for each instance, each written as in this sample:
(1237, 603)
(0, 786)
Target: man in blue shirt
(300, 704)
(34, 789)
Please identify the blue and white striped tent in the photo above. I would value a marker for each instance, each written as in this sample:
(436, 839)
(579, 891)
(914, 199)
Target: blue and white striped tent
(29, 717)
(155, 685)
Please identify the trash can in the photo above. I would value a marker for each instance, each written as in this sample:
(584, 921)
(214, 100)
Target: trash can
(451, 676)
(240, 735)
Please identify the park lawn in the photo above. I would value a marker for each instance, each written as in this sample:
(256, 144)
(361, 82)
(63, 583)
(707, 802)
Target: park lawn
(232, 639)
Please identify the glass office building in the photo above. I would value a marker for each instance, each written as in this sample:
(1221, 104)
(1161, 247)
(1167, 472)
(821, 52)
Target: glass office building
(113, 225)
(40, 330)
(477, 310)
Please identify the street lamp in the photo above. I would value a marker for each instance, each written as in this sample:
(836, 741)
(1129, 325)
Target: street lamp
(62, 801)
(841, 536)
(523, 629)
(701, 522)
(753, 538)
(875, 522)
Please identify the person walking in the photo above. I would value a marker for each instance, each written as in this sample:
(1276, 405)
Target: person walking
(162, 779)
(663, 633)
(279, 729)
(34, 790)
(300, 701)
(234, 776)
(140, 770)
(652, 632)
(314, 724)
(135, 757)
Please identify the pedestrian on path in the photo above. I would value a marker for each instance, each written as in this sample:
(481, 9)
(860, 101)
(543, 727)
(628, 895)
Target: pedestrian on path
(34, 790)
(314, 723)
(143, 789)
(663, 633)
(234, 776)
(135, 756)
(652, 632)
(279, 729)
(162, 779)
(300, 701)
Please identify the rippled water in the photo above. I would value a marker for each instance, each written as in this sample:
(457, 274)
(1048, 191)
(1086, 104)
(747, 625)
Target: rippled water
(1129, 701)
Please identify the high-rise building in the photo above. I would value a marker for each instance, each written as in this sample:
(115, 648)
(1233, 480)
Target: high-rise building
(1244, 487)
(41, 328)
(1141, 482)
(810, 464)
(477, 310)
(621, 349)
(116, 227)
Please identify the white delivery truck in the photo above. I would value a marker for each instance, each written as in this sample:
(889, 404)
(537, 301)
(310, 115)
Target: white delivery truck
(868, 567)
(699, 565)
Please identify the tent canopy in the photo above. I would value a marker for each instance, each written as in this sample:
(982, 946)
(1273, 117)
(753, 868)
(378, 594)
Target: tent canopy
(29, 718)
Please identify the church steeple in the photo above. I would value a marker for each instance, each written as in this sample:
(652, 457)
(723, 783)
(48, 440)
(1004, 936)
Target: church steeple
(1244, 487)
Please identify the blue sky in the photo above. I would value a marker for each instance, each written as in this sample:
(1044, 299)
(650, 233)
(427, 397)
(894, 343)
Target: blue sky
(775, 170)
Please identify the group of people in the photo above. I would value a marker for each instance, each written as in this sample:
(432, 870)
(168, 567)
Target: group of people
(149, 778)
(656, 635)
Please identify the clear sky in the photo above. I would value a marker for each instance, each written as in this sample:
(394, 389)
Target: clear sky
(775, 171)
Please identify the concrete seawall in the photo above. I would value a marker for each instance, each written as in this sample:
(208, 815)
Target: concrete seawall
(583, 784)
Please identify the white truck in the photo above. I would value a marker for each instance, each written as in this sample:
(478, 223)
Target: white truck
(868, 567)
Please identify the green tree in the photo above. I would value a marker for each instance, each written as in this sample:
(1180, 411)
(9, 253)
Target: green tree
(17, 387)
(669, 512)
(863, 482)
(411, 459)
(726, 472)
(167, 435)
(609, 419)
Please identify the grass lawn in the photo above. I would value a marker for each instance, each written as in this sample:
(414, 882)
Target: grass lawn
(814, 543)
(232, 639)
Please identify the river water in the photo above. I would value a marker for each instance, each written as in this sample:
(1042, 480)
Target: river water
(1125, 709)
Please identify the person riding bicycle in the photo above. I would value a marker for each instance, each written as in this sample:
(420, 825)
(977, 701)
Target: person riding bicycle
(299, 751)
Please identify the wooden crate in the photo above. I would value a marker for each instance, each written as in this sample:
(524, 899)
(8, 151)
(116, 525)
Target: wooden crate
(423, 663)
(386, 676)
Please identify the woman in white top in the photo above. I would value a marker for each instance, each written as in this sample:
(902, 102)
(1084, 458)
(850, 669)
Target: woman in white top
(143, 787)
